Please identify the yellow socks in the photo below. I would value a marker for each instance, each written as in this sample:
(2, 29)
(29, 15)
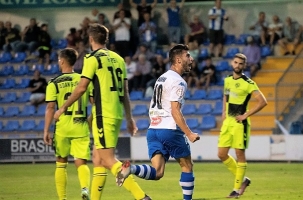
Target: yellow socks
(241, 169)
(61, 180)
(98, 182)
(231, 165)
(130, 184)
(84, 176)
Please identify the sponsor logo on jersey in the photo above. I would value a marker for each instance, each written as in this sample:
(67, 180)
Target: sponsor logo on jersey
(155, 121)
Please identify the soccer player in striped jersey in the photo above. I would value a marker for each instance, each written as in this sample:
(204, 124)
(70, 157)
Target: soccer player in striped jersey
(235, 130)
(168, 132)
(107, 71)
(71, 135)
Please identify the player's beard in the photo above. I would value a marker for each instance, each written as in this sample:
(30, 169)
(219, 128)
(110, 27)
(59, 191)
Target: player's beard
(238, 71)
(186, 68)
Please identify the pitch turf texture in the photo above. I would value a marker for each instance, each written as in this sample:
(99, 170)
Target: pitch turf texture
(213, 181)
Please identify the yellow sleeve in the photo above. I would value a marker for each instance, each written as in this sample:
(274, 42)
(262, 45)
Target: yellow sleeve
(90, 66)
(51, 92)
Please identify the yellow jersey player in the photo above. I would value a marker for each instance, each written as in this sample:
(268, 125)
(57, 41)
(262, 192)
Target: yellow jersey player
(235, 131)
(107, 71)
(72, 136)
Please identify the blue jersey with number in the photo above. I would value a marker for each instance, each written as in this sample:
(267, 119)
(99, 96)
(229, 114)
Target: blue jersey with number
(169, 87)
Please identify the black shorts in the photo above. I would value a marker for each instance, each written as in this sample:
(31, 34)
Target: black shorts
(216, 36)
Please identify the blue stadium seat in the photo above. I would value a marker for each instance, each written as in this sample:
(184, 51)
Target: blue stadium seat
(1, 111)
(23, 83)
(53, 56)
(136, 95)
(27, 125)
(208, 122)
(206, 42)
(41, 110)
(265, 51)
(192, 123)
(231, 52)
(222, 66)
(53, 69)
(295, 127)
(28, 110)
(61, 44)
(204, 109)
(123, 125)
(40, 126)
(8, 83)
(22, 70)
(229, 39)
(11, 111)
(242, 39)
(187, 94)
(218, 108)
(203, 53)
(214, 94)
(1, 125)
(142, 124)
(7, 70)
(198, 95)
(24, 97)
(5, 57)
(189, 109)
(18, 57)
(140, 110)
(11, 125)
(9, 97)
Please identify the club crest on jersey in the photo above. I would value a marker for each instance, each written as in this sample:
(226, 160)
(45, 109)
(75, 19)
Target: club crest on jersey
(155, 121)
(180, 92)
(237, 85)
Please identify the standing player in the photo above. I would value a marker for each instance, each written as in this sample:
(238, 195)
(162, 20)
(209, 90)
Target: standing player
(72, 132)
(167, 132)
(235, 131)
(107, 71)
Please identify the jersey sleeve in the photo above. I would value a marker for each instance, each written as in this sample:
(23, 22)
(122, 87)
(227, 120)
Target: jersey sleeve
(177, 91)
(211, 12)
(89, 67)
(252, 87)
(51, 92)
(90, 89)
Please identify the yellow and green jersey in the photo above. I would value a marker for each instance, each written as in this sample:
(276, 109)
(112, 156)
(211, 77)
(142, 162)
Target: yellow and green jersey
(107, 71)
(73, 122)
(238, 93)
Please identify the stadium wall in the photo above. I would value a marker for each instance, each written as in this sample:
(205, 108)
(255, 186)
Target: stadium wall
(242, 15)
(261, 148)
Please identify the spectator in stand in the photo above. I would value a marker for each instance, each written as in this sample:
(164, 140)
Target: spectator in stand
(194, 50)
(82, 51)
(216, 16)
(83, 30)
(143, 73)
(102, 20)
(275, 30)
(192, 78)
(208, 74)
(143, 8)
(2, 34)
(292, 32)
(197, 31)
(122, 34)
(37, 86)
(253, 55)
(12, 38)
(45, 48)
(166, 59)
(72, 38)
(143, 49)
(259, 29)
(29, 37)
(131, 67)
(174, 22)
(157, 70)
(120, 6)
(148, 34)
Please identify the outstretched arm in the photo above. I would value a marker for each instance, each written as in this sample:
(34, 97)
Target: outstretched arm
(181, 3)
(154, 4)
(132, 3)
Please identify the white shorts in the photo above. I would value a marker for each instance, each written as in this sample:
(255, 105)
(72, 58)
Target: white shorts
(36, 96)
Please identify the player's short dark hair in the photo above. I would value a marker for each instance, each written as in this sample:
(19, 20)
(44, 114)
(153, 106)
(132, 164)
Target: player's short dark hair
(69, 54)
(241, 56)
(98, 32)
(176, 50)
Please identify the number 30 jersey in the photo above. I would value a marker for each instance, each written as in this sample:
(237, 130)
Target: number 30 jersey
(107, 71)
(169, 87)
(73, 123)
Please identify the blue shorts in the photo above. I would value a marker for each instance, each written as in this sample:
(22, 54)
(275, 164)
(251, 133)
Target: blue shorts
(167, 141)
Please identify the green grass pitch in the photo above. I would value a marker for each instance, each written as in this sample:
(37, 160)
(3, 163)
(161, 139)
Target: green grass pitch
(213, 181)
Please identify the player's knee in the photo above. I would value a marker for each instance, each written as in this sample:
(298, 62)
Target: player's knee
(159, 175)
(222, 156)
